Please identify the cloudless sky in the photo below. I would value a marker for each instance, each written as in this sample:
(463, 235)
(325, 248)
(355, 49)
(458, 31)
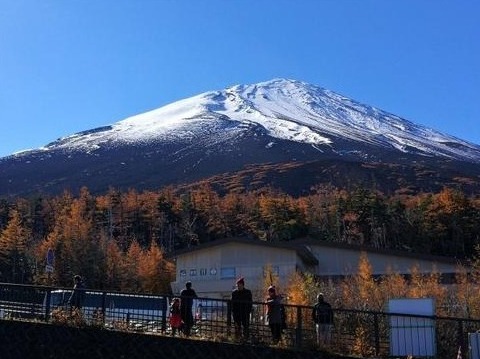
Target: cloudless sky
(72, 65)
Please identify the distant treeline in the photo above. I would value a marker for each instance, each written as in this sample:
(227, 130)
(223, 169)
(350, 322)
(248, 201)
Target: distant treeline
(122, 240)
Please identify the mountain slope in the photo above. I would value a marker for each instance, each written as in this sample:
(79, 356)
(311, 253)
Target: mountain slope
(278, 121)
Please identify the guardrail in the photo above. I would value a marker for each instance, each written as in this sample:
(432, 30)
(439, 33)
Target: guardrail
(363, 333)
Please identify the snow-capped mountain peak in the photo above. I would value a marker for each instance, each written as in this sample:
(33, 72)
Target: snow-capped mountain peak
(287, 110)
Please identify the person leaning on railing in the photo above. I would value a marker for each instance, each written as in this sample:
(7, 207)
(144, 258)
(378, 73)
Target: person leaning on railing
(322, 316)
(241, 308)
(78, 294)
(274, 314)
(186, 303)
(175, 316)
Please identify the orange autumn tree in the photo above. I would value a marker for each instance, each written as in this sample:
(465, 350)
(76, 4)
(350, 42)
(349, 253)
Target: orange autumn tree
(424, 285)
(207, 204)
(464, 301)
(133, 257)
(392, 285)
(114, 266)
(154, 271)
(13, 249)
(360, 291)
(82, 252)
(301, 288)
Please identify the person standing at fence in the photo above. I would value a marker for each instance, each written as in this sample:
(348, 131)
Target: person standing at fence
(274, 314)
(186, 303)
(241, 307)
(322, 316)
(78, 294)
(175, 316)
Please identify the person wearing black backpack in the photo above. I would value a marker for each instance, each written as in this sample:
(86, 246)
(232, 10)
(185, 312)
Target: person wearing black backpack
(322, 316)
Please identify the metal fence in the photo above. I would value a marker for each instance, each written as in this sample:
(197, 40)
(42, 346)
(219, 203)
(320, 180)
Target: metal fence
(355, 332)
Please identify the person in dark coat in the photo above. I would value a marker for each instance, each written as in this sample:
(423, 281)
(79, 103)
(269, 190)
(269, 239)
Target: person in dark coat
(322, 316)
(187, 295)
(78, 294)
(241, 308)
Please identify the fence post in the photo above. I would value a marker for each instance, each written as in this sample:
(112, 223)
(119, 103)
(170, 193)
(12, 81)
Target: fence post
(460, 338)
(165, 307)
(377, 333)
(229, 317)
(104, 307)
(48, 300)
(298, 329)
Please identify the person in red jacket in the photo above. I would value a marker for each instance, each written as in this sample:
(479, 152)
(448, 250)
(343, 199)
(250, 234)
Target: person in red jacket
(175, 316)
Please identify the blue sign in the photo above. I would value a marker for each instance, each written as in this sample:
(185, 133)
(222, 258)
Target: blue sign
(50, 257)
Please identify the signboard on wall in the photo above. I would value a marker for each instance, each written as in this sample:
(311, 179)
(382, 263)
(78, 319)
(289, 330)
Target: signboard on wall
(50, 259)
(411, 335)
(473, 345)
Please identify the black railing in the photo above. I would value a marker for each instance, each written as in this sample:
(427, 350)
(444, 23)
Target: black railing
(363, 333)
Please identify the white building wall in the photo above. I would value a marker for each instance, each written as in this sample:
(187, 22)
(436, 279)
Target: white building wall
(213, 271)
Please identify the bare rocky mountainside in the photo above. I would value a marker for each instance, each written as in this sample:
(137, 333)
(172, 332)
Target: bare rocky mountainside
(282, 133)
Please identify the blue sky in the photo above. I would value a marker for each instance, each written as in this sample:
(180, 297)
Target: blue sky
(69, 66)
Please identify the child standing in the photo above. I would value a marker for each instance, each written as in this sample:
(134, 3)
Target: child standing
(175, 316)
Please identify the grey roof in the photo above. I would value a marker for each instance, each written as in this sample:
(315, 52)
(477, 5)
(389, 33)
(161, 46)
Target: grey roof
(302, 247)
(302, 250)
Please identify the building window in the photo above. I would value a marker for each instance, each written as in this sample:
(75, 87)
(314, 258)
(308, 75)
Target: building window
(193, 272)
(227, 273)
(183, 272)
(203, 271)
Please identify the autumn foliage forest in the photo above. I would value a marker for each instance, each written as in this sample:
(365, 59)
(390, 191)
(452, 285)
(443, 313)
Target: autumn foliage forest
(122, 240)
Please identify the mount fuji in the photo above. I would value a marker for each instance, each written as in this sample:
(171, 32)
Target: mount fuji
(246, 129)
